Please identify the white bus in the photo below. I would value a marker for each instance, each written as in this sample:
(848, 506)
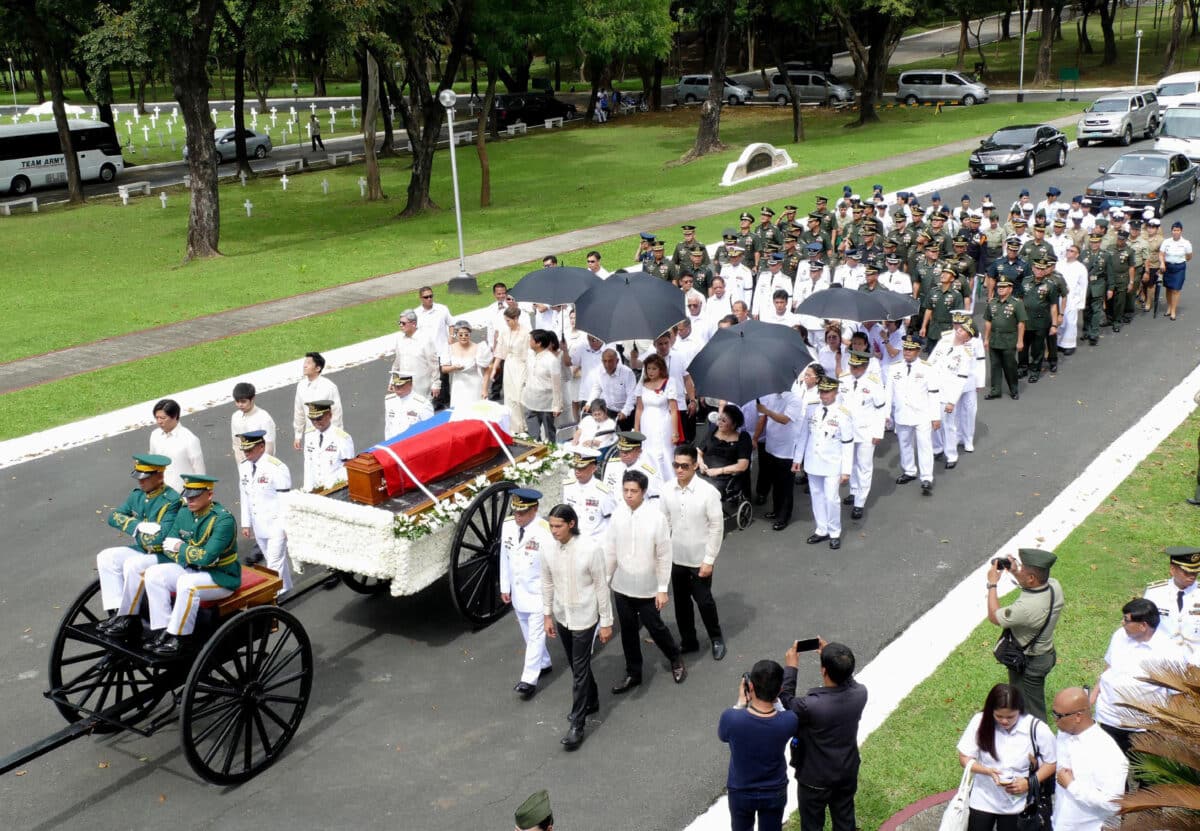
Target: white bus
(31, 155)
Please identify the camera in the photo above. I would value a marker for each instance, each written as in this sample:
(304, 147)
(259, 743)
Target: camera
(1002, 563)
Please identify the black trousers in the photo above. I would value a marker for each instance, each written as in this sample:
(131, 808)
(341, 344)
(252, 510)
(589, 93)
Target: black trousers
(689, 586)
(782, 483)
(577, 646)
(1003, 362)
(633, 613)
(316, 140)
(983, 821)
(839, 799)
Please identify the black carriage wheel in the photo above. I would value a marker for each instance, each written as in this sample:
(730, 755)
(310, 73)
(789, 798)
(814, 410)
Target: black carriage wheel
(363, 584)
(245, 695)
(475, 556)
(88, 676)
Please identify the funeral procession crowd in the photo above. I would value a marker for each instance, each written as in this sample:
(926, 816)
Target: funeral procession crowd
(903, 314)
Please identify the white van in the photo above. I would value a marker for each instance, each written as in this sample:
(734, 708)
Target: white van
(1180, 131)
(1172, 89)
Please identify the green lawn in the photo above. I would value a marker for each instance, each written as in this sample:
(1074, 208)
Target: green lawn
(105, 254)
(1101, 565)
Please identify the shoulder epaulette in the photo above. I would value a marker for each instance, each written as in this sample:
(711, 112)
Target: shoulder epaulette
(603, 488)
(1156, 584)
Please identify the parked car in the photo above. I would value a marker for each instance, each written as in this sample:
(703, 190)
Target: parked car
(1180, 130)
(1119, 117)
(811, 88)
(1171, 89)
(257, 145)
(1147, 178)
(937, 85)
(1019, 149)
(692, 88)
(530, 108)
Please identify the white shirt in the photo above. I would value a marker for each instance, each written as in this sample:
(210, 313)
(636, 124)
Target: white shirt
(1013, 749)
(676, 371)
(780, 439)
(764, 291)
(914, 393)
(588, 362)
(867, 399)
(739, 282)
(769, 315)
(589, 428)
(1076, 275)
(825, 440)
(1175, 250)
(418, 357)
(260, 485)
(575, 585)
(1180, 625)
(614, 471)
(1128, 660)
(898, 281)
(603, 273)
(695, 521)
(637, 550)
(619, 390)
(1100, 770)
(318, 389)
(401, 413)
(183, 449)
(433, 324)
(521, 551)
(256, 419)
(593, 503)
(324, 457)
(543, 383)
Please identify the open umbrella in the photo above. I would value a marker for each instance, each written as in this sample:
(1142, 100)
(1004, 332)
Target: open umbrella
(554, 286)
(629, 306)
(840, 303)
(749, 360)
(898, 306)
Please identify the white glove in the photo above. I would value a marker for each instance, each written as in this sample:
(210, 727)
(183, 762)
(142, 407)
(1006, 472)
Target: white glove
(145, 527)
(172, 544)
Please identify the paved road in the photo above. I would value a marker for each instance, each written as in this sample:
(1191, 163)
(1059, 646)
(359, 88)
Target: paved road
(413, 723)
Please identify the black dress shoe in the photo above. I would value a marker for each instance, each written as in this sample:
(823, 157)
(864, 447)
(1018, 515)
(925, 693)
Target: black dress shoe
(1191, 500)
(125, 626)
(926, 488)
(1021, 373)
(112, 618)
(169, 647)
(1033, 379)
(847, 500)
(779, 526)
(525, 691)
(545, 671)
(991, 396)
(718, 649)
(573, 739)
(951, 465)
(689, 648)
(626, 684)
(905, 478)
(1015, 396)
(1116, 329)
(857, 513)
(835, 543)
(813, 539)
(769, 515)
(1053, 368)
(1093, 341)
(678, 671)
(153, 637)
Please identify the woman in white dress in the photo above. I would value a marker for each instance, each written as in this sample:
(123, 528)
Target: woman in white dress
(512, 350)
(657, 415)
(597, 421)
(469, 367)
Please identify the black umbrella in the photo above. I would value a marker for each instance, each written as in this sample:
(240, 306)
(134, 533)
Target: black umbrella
(898, 306)
(629, 306)
(554, 286)
(840, 303)
(749, 360)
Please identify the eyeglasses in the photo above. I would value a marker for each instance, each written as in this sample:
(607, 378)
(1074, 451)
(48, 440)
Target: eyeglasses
(681, 465)
(1060, 716)
(592, 262)
(426, 296)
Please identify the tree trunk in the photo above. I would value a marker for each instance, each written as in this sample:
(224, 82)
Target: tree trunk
(1085, 42)
(54, 73)
(656, 87)
(708, 134)
(1174, 45)
(370, 112)
(964, 39)
(776, 48)
(485, 167)
(188, 56)
(1043, 73)
(239, 116)
(37, 70)
(1106, 28)
(1006, 24)
(882, 45)
(854, 45)
(388, 147)
(129, 79)
(141, 91)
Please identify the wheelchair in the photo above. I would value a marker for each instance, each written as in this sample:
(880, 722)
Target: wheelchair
(735, 504)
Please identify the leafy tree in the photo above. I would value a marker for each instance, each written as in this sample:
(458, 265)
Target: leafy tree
(708, 135)
(873, 29)
(608, 31)
(120, 38)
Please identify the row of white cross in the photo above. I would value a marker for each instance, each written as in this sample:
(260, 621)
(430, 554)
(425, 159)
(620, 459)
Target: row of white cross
(248, 205)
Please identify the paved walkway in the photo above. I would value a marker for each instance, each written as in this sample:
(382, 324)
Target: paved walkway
(88, 357)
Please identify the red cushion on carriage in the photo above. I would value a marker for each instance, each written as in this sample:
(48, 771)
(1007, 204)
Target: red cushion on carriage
(437, 453)
(250, 578)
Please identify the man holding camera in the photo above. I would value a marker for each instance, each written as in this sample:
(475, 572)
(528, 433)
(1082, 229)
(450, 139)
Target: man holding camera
(1031, 618)
(825, 754)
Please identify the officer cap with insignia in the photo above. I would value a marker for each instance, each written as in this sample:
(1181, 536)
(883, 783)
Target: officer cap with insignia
(815, 263)
(629, 440)
(766, 211)
(898, 213)
(735, 249)
(146, 465)
(1012, 242)
(889, 243)
(397, 377)
(1095, 237)
(814, 246)
(659, 245)
(647, 236)
(892, 258)
(1041, 262)
(960, 240)
(195, 484)
(1122, 234)
(524, 498)
(775, 257)
(949, 270)
(1037, 558)
(816, 215)
(533, 811)
(1004, 280)
(968, 326)
(316, 409)
(1060, 223)
(822, 200)
(729, 236)
(959, 315)
(584, 456)
(827, 383)
(872, 268)
(1039, 224)
(252, 439)
(917, 210)
(687, 227)
(859, 358)
(854, 254)
(1187, 558)
(790, 208)
(1020, 221)
(909, 344)
(746, 217)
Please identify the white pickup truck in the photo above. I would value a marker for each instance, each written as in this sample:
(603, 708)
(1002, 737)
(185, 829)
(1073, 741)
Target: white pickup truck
(1119, 117)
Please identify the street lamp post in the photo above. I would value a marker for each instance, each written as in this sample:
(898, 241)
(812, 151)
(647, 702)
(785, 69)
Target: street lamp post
(462, 283)
(1137, 56)
(1021, 69)
(299, 133)
(12, 79)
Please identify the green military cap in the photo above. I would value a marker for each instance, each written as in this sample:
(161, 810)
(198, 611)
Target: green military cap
(857, 206)
(146, 465)
(937, 215)
(688, 227)
(859, 358)
(821, 200)
(729, 237)
(1185, 557)
(917, 209)
(766, 211)
(816, 215)
(696, 250)
(1039, 224)
(872, 268)
(798, 226)
(960, 240)
(525, 498)
(924, 235)
(250, 440)
(772, 247)
(888, 241)
(898, 213)
(909, 343)
(827, 383)
(1012, 242)
(195, 484)
(659, 245)
(1042, 262)
(1036, 557)
(316, 409)
(949, 270)
(790, 208)
(533, 811)
(1095, 237)
(1102, 220)
(746, 217)
(629, 440)
(1004, 280)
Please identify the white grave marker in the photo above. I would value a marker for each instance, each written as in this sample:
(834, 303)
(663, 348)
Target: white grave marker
(249, 206)
(242, 176)
(283, 180)
(213, 113)
(125, 197)
(325, 186)
(146, 133)
(313, 107)
(162, 197)
(362, 187)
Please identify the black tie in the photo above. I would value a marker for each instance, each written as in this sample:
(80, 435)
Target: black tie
(254, 470)
(824, 412)
(910, 369)
(855, 383)
(1179, 600)
(320, 440)
(521, 533)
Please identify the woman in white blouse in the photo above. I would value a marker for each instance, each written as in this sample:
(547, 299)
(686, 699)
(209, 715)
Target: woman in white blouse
(469, 367)
(997, 746)
(1174, 254)
(543, 395)
(834, 354)
(512, 351)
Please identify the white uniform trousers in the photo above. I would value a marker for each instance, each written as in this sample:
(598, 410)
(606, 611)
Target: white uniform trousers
(110, 564)
(274, 551)
(133, 588)
(916, 449)
(1068, 333)
(862, 472)
(190, 588)
(824, 491)
(965, 411)
(537, 657)
(945, 438)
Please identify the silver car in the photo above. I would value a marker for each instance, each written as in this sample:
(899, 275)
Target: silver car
(1119, 117)
(693, 88)
(918, 86)
(812, 87)
(257, 145)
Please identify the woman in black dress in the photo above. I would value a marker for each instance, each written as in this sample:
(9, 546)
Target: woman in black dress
(725, 453)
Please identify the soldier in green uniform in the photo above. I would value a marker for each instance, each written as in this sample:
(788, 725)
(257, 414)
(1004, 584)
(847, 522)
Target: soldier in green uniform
(746, 239)
(720, 257)
(1041, 309)
(964, 268)
(700, 268)
(765, 231)
(942, 299)
(784, 225)
(816, 233)
(202, 547)
(1036, 248)
(1100, 283)
(1010, 265)
(1003, 335)
(870, 248)
(679, 257)
(1124, 267)
(928, 271)
(917, 225)
(903, 236)
(145, 516)
(792, 256)
(658, 266)
(939, 234)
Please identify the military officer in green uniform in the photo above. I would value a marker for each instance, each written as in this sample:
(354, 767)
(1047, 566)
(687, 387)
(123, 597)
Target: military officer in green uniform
(679, 257)
(964, 268)
(870, 249)
(941, 300)
(1010, 265)
(720, 257)
(1100, 283)
(939, 234)
(1041, 307)
(1003, 335)
(145, 516)
(816, 233)
(658, 265)
(828, 219)
(765, 231)
(917, 225)
(792, 256)
(851, 235)
(746, 239)
(901, 235)
(928, 270)
(784, 225)
(1036, 248)
(699, 266)
(1031, 618)
(1124, 270)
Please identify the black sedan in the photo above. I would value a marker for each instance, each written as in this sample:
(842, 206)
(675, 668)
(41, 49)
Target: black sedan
(1152, 178)
(1023, 149)
(533, 108)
